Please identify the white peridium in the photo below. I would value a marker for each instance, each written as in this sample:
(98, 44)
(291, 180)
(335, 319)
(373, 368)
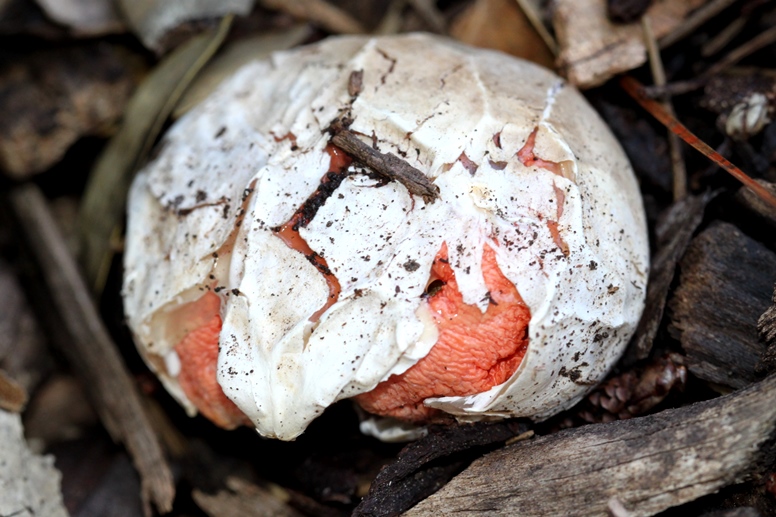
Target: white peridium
(427, 100)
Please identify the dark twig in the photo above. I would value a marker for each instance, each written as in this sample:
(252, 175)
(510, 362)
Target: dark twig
(385, 164)
(762, 40)
(90, 349)
(695, 20)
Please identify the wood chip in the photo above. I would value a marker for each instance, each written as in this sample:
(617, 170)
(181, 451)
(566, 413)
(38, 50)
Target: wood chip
(649, 464)
(674, 232)
(386, 164)
(725, 285)
(85, 342)
(593, 49)
(755, 204)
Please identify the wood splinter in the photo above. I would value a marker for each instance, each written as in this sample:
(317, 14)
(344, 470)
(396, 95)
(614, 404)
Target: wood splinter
(385, 164)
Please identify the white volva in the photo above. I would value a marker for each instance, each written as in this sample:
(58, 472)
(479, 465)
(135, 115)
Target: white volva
(201, 216)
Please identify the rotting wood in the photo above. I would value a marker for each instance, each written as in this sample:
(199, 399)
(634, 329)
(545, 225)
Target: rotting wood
(725, 285)
(424, 466)
(649, 464)
(90, 349)
(674, 233)
(13, 396)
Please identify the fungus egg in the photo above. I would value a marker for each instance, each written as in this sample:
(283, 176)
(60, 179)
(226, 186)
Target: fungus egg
(271, 270)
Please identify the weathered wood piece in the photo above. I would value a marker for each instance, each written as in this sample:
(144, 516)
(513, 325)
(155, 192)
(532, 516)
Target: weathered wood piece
(424, 466)
(90, 349)
(766, 326)
(673, 236)
(29, 484)
(725, 285)
(593, 49)
(648, 464)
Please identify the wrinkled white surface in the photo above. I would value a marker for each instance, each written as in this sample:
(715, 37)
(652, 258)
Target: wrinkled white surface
(29, 484)
(428, 100)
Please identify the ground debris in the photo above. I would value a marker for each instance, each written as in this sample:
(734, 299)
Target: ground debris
(85, 341)
(643, 462)
(674, 232)
(501, 25)
(29, 484)
(726, 283)
(593, 49)
(424, 466)
(635, 392)
(53, 97)
(766, 326)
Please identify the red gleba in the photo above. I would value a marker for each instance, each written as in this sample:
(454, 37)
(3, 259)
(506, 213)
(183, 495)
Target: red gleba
(475, 351)
(435, 231)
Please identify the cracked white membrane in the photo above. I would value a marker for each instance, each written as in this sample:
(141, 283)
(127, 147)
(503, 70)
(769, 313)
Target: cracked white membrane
(523, 165)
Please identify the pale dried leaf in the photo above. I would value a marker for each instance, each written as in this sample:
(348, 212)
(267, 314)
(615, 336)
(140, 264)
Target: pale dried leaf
(593, 49)
(29, 484)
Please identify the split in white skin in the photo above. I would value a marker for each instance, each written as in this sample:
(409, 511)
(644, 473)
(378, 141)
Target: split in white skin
(429, 101)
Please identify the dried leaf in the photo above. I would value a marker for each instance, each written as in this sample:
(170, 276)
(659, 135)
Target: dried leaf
(232, 57)
(593, 49)
(154, 21)
(105, 198)
(501, 25)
